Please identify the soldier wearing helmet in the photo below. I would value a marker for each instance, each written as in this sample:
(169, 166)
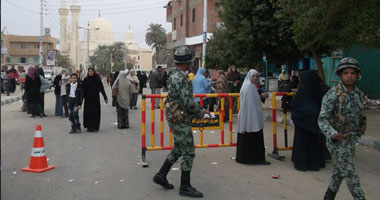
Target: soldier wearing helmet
(343, 123)
(180, 109)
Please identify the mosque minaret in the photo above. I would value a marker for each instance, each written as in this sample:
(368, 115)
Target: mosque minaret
(63, 29)
(100, 32)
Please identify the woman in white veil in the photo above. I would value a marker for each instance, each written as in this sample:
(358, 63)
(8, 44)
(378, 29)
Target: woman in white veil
(250, 141)
(125, 90)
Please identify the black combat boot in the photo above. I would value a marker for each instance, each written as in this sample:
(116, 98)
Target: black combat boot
(73, 129)
(160, 177)
(186, 189)
(79, 130)
(329, 195)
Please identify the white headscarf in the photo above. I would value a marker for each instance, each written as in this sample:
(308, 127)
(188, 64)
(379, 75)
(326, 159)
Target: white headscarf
(251, 112)
(124, 89)
(135, 79)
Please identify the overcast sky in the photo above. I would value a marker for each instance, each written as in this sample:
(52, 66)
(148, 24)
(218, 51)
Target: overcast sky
(21, 17)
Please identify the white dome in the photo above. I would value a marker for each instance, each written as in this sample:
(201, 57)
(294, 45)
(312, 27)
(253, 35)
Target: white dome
(102, 31)
(130, 41)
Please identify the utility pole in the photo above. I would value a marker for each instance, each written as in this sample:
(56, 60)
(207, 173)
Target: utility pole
(111, 61)
(204, 33)
(41, 30)
(88, 45)
(88, 42)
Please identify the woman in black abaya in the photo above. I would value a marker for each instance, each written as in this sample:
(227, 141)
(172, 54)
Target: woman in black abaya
(92, 85)
(308, 140)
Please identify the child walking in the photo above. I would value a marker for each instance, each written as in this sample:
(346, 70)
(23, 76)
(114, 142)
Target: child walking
(75, 92)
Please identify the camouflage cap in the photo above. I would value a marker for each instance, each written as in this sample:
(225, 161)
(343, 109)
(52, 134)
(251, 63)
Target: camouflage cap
(347, 62)
(183, 55)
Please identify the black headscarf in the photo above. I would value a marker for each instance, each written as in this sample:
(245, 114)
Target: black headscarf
(39, 72)
(139, 75)
(114, 77)
(306, 104)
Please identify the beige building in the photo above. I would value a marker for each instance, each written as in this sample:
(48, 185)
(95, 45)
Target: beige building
(24, 50)
(140, 58)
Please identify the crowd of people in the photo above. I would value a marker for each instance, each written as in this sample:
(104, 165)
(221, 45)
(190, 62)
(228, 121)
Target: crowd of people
(10, 78)
(70, 91)
(328, 122)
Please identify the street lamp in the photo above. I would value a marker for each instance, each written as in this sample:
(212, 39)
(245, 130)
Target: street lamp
(88, 43)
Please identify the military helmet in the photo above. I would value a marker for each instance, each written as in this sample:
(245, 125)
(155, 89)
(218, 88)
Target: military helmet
(347, 62)
(183, 55)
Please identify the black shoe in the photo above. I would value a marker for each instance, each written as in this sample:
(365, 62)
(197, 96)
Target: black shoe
(160, 177)
(72, 131)
(44, 115)
(41, 116)
(329, 195)
(79, 130)
(263, 163)
(186, 189)
(32, 116)
(190, 191)
(161, 180)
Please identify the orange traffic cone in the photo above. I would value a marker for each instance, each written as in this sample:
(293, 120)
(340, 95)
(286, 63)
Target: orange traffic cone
(38, 161)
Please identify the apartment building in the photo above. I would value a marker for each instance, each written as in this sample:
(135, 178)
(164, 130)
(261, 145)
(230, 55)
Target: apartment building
(24, 50)
(186, 17)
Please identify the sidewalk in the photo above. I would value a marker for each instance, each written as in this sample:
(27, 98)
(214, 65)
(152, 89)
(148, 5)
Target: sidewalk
(16, 96)
(371, 137)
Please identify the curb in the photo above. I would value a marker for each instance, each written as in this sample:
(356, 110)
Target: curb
(17, 98)
(279, 120)
(10, 100)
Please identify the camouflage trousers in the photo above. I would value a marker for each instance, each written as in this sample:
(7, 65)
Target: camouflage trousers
(183, 145)
(344, 168)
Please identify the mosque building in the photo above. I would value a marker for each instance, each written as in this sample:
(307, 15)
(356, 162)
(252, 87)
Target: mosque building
(100, 32)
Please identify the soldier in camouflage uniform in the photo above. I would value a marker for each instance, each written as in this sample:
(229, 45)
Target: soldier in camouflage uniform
(342, 122)
(180, 110)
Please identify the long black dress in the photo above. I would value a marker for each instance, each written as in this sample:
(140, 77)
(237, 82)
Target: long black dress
(32, 90)
(92, 85)
(308, 140)
(250, 149)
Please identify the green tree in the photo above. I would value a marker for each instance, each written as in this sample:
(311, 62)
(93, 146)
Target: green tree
(156, 38)
(165, 56)
(63, 61)
(252, 30)
(218, 55)
(102, 56)
(323, 26)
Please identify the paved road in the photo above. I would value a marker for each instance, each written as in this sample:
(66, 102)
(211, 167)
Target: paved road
(105, 165)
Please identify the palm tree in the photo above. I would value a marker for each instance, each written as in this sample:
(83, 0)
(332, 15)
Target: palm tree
(156, 38)
(102, 55)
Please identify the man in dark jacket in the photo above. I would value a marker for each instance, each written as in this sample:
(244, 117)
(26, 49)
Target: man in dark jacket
(155, 85)
(75, 92)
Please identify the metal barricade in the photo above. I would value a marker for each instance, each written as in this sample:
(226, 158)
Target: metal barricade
(275, 153)
(161, 146)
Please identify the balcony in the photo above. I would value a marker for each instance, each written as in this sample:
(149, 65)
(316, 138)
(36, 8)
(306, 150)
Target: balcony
(23, 52)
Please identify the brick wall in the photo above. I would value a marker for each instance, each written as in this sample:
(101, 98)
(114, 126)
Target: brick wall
(190, 28)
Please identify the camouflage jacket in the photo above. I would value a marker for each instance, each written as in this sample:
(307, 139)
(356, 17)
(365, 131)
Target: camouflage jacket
(180, 91)
(346, 121)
